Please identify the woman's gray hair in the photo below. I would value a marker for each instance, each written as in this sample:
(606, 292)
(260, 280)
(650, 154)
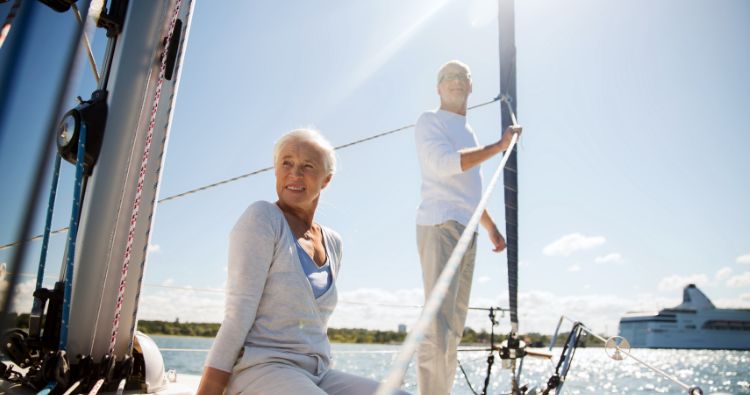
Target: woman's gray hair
(310, 136)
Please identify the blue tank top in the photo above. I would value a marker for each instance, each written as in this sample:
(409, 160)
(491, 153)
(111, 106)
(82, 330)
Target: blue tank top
(320, 277)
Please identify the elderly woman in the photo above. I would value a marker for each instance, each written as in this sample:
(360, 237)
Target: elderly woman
(281, 287)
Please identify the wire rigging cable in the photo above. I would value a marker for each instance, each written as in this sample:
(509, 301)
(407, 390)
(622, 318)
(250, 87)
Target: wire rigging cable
(396, 375)
(265, 169)
(89, 52)
(252, 173)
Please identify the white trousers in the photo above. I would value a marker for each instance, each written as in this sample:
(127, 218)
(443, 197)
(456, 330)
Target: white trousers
(298, 377)
(436, 356)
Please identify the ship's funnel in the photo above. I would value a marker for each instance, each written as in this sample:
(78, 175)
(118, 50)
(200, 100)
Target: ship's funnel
(694, 299)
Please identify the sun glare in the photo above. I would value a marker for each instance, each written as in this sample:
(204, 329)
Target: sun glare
(482, 12)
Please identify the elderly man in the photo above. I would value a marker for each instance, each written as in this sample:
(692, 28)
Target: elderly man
(449, 158)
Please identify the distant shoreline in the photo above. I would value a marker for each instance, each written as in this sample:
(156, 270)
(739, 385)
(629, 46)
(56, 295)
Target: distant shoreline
(335, 335)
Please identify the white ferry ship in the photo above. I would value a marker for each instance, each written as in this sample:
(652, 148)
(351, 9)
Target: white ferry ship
(696, 324)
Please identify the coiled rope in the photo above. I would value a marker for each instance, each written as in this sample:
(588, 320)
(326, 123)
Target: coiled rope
(395, 376)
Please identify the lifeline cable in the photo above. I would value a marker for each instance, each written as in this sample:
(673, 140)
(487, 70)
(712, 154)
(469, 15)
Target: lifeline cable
(252, 173)
(396, 374)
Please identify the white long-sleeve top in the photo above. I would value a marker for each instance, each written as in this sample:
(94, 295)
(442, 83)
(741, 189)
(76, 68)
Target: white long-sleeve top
(447, 192)
(271, 312)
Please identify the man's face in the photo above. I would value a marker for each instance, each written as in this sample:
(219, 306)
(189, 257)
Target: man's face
(455, 85)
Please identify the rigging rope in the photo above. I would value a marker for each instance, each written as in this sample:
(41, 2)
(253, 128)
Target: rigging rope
(396, 374)
(141, 179)
(72, 236)
(89, 52)
(252, 173)
(48, 222)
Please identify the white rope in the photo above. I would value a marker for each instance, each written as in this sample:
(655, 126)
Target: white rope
(396, 374)
(89, 52)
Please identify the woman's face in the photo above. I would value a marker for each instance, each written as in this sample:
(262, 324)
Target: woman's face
(300, 174)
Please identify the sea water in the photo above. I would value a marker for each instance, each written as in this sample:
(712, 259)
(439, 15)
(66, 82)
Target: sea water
(592, 371)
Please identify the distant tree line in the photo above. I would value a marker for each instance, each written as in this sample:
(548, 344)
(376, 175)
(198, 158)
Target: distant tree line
(336, 335)
(178, 328)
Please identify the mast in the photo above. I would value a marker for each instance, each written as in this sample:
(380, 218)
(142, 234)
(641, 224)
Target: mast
(507, 40)
(104, 237)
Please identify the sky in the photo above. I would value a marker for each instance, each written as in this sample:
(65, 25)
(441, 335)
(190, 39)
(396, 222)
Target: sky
(632, 165)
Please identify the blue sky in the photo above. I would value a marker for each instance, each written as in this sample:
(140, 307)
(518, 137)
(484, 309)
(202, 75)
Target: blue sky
(633, 170)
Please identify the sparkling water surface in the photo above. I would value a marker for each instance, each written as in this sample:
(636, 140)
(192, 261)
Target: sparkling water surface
(592, 371)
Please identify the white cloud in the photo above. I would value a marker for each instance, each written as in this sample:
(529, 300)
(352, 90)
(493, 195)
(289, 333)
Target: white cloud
(188, 305)
(482, 13)
(23, 295)
(744, 259)
(540, 310)
(742, 301)
(723, 273)
(484, 279)
(574, 268)
(739, 281)
(614, 257)
(571, 243)
(153, 248)
(374, 308)
(675, 282)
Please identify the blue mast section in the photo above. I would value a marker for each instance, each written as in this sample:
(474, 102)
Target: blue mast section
(506, 25)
